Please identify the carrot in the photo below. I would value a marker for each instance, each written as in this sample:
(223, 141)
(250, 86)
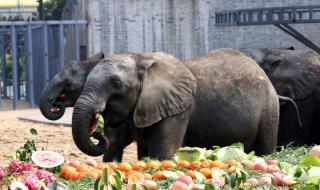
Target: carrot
(82, 168)
(168, 164)
(69, 173)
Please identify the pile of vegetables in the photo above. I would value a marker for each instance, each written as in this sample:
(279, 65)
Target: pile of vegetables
(191, 168)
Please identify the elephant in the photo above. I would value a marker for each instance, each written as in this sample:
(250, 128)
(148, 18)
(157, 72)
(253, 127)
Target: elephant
(216, 99)
(63, 91)
(295, 74)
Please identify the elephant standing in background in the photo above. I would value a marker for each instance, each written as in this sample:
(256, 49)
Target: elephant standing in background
(294, 74)
(216, 99)
(63, 91)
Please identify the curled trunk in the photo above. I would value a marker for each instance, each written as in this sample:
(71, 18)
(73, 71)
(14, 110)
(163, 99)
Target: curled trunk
(51, 108)
(83, 115)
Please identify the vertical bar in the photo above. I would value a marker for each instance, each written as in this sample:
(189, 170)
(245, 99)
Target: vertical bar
(61, 46)
(77, 42)
(30, 67)
(4, 69)
(14, 67)
(45, 56)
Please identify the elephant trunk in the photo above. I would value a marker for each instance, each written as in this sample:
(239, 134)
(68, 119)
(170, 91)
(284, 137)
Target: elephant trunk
(83, 115)
(50, 105)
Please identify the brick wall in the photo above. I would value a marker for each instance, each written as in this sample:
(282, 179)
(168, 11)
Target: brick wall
(185, 28)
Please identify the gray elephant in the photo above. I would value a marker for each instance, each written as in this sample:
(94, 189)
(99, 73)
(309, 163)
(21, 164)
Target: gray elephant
(63, 91)
(295, 74)
(216, 99)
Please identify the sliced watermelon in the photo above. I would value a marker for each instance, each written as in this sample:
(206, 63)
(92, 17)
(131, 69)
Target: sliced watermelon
(47, 159)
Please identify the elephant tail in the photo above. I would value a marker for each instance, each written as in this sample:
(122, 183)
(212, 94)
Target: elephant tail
(289, 100)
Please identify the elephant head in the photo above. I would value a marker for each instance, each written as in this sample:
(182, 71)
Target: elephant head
(66, 86)
(293, 73)
(141, 88)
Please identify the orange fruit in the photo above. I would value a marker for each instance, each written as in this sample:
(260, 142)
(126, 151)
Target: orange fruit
(112, 165)
(133, 177)
(192, 174)
(93, 174)
(206, 172)
(183, 164)
(168, 164)
(125, 167)
(206, 164)
(159, 175)
(195, 165)
(139, 166)
(69, 173)
(147, 176)
(102, 166)
(231, 169)
(231, 162)
(82, 168)
(153, 164)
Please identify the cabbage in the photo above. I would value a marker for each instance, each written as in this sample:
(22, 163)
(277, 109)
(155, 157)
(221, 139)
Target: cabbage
(235, 151)
(190, 154)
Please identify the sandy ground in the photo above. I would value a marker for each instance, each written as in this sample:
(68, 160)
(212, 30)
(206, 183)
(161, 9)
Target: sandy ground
(14, 133)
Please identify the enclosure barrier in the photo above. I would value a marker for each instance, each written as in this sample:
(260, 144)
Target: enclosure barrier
(281, 17)
(39, 47)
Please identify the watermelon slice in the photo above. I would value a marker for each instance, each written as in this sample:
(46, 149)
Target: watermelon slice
(47, 159)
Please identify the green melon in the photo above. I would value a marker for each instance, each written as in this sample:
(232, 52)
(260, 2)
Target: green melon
(47, 159)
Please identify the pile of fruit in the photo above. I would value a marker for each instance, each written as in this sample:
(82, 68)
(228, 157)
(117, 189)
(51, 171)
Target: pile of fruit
(195, 168)
(191, 168)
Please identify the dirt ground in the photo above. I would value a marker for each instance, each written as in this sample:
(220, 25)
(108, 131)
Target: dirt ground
(14, 133)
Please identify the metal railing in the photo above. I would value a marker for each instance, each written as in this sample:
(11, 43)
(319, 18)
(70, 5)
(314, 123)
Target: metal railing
(39, 62)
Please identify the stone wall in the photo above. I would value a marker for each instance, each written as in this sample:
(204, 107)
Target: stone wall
(185, 28)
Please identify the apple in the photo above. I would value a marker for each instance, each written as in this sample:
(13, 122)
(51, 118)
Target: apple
(185, 179)
(282, 180)
(260, 166)
(272, 168)
(248, 163)
(315, 151)
(272, 162)
(178, 185)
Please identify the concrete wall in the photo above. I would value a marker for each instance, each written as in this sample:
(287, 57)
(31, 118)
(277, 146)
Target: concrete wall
(185, 28)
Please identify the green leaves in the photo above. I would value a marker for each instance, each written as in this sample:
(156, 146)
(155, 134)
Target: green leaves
(310, 160)
(24, 153)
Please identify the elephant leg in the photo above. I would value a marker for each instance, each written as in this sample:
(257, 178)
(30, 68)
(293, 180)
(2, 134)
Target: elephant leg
(116, 156)
(266, 139)
(166, 136)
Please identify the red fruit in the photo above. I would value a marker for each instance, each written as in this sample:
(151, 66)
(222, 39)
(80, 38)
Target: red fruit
(185, 179)
(260, 166)
(315, 151)
(282, 180)
(272, 168)
(272, 162)
(178, 186)
(150, 184)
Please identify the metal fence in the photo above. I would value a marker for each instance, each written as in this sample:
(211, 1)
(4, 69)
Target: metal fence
(31, 53)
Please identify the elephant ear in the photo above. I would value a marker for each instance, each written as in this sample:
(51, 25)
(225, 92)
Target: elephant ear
(299, 78)
(168, 88)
